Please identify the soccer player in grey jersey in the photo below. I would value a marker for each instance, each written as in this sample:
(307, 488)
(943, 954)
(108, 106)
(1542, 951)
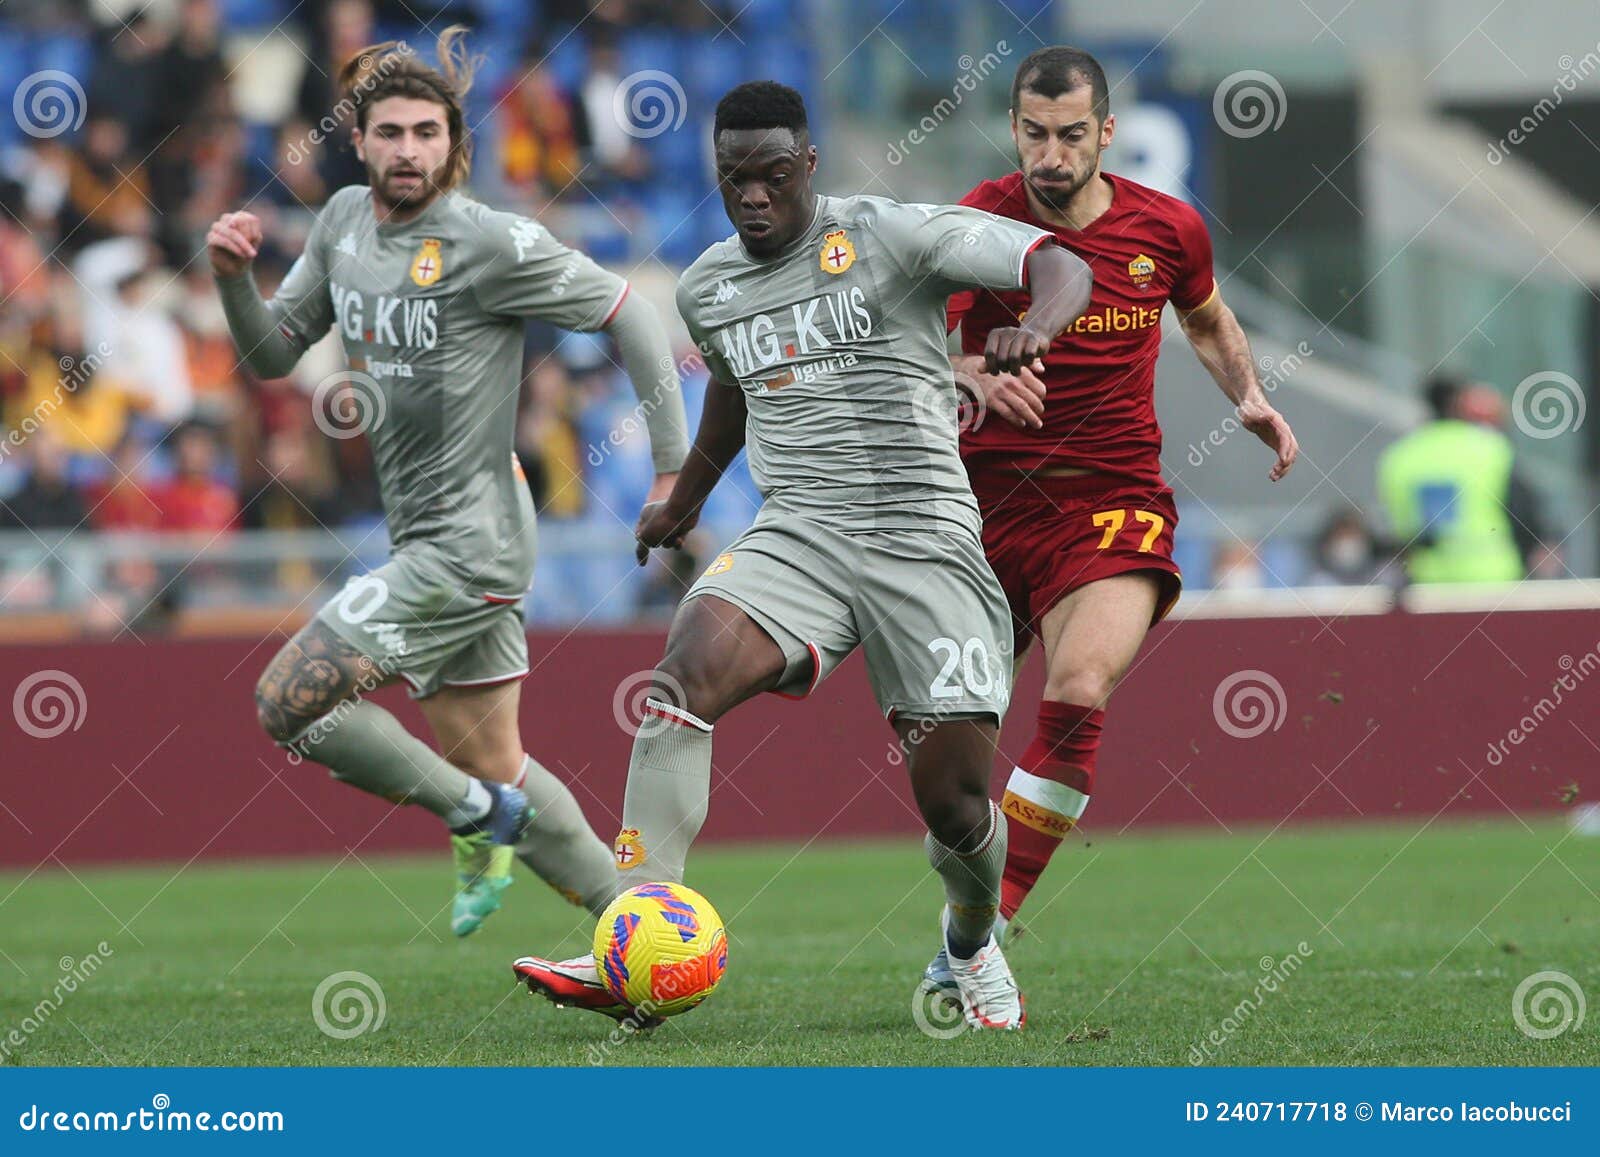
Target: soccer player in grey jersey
(429, 291)
(822, 325)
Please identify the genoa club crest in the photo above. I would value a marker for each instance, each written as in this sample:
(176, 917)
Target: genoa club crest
(837, 253)
(428, 265)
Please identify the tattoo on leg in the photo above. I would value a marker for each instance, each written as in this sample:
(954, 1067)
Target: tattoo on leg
(314, 672)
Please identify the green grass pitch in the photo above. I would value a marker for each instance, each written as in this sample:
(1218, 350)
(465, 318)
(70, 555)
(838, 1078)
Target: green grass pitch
(1136, 949)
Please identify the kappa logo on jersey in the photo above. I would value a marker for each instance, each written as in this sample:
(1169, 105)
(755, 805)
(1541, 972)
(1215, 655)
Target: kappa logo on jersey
(810, 329)
(1142, 269)
(428, 265)
(722, 564)
(629, 849)
(838, 254)
(347, 245)
(402, 322)
(726, 292)
(525, 235)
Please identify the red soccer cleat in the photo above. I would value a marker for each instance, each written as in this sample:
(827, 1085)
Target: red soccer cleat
(575, 983)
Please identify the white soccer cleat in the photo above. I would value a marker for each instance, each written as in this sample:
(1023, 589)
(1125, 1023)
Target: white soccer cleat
(984, 984)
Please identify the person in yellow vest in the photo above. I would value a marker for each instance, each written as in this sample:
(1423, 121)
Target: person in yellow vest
(1451, 495)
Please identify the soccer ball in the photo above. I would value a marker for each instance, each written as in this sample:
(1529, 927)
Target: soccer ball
(660, 948)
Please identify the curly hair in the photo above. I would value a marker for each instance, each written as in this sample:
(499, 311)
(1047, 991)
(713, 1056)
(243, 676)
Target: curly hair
(393, 68)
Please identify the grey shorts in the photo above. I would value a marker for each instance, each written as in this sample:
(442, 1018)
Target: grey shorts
(923, 606)
(416, 619)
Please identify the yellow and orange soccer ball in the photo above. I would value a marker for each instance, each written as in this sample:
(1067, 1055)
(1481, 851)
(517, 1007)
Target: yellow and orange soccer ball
(661, 948)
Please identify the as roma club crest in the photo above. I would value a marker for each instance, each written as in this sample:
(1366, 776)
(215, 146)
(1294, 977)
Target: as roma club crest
(838, 254)
(428, 265)
(1141, 269)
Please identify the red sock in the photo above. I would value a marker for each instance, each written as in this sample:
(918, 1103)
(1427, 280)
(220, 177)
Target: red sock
(1049, 788)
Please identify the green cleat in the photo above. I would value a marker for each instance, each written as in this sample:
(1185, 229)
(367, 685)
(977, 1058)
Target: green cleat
(483, 860)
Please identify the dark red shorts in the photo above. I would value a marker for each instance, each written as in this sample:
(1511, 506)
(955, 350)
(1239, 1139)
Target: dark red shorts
(1046, 537)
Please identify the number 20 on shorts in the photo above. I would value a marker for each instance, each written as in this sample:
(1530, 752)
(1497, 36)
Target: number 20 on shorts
(1112, 522)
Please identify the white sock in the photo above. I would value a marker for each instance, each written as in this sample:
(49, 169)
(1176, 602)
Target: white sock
(472, 808)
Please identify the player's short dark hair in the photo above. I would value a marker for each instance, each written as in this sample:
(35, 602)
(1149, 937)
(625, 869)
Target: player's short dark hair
(1061, 68)
(760, 104)
(1441, 391)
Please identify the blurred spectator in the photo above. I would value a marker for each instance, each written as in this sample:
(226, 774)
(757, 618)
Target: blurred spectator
(1236, 567)
(125, 80)
(547, 444)
(1484, 405)
(123, 500)
(1346, 552)
(209, 355)
(1447, 487)
(345, 28)
(47, 499)
(292, 180)
(69, 393)
(125, 310)
(538, 135)
(194, 500)
(108, 194)
(617, 153)
(296, 489)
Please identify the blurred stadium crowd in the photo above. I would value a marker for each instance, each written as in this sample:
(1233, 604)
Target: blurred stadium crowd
(123, 406)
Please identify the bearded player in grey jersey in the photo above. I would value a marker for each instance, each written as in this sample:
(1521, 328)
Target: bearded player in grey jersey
(822, 326)
(429, 291)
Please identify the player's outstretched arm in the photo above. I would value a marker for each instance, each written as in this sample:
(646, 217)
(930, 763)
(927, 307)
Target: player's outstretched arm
(716, 444)
(1059, 284)
(232, 243)
(1220, 342)
(647, 357)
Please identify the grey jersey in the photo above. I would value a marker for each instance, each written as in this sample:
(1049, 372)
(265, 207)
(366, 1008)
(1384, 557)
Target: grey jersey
(431, 316)
(839, 346)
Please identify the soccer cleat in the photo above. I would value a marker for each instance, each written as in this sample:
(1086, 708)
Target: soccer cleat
(483, 858)
(575, 983)
(940, 982)
(984, 985)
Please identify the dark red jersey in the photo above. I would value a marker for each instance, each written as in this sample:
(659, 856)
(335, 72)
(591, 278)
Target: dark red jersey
(1145, 250)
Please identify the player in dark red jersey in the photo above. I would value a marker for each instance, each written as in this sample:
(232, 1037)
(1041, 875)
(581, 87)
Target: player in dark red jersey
(1078, 522)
